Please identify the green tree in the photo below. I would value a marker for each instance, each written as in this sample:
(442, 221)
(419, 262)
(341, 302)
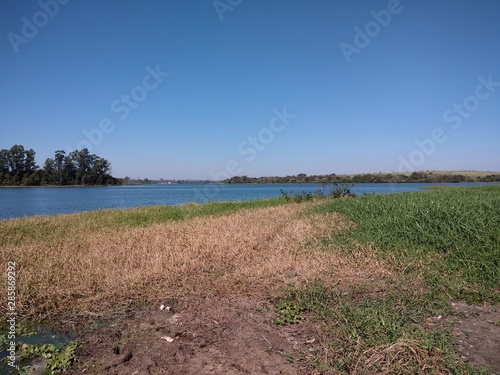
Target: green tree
(4, 166)
(49, 173)
(59, 165)
(17, 163)
(30, 169)
(68, 171)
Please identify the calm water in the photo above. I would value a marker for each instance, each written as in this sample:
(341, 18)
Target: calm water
(29, 201)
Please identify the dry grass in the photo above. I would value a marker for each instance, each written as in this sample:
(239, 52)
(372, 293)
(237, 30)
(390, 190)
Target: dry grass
(252, 252)
(402, 357)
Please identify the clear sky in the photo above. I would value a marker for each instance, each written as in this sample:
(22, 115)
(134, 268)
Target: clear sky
(204, 89)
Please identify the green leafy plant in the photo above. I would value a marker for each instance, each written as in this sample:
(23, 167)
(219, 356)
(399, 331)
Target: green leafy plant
(59, 359)
(64, 358)
(288, 312)
(28, 351)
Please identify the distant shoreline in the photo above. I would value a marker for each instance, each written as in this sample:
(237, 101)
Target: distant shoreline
(395, 178)
(371, 178)
(52, 186)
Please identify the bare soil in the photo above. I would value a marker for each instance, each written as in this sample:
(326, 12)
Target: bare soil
(478, 334)
(238, 335)
(230, 335)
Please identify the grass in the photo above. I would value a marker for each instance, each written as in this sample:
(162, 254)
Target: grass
(47, 228)
(370, 274)
(374, 335)
(92, 262)
(438, 187)
(453, 232)
(443, 245)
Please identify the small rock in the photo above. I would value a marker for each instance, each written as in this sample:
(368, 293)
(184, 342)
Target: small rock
(168, 338)
(163, 307)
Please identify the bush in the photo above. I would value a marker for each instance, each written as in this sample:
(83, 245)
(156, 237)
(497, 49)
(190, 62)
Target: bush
(335, 191)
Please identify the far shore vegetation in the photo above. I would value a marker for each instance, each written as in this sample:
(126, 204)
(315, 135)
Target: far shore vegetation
(81, 168)
(409, 177)
(374, 278)
(18, 168)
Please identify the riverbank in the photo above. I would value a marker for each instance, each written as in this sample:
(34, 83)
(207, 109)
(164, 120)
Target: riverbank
(359, 285)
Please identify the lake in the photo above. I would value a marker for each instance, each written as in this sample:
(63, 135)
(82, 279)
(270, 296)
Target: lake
(29, 201)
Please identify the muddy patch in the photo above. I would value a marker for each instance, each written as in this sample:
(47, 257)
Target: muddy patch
(233, 335)
(478, 334)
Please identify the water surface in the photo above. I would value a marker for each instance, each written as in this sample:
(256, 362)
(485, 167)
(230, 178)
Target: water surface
(29, 201)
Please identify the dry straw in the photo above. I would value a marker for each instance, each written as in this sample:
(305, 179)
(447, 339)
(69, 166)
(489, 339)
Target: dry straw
(251, 252)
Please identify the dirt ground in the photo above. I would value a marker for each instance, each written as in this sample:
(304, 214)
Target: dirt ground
(237, 335)
(210, 336)
(478, 334)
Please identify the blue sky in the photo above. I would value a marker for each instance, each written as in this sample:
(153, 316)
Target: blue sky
(192, 89)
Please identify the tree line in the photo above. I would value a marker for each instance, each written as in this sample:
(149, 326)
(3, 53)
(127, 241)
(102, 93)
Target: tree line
(420, 177)
(79, 167)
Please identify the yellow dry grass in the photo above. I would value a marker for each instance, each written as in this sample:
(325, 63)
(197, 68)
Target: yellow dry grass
(402, 357)
(252, 252)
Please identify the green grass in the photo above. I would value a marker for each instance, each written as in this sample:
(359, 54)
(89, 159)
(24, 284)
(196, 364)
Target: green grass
(374, 335)
(144, 216)
(438, 187)
(444, 245)
(38, 228)
(459, 226)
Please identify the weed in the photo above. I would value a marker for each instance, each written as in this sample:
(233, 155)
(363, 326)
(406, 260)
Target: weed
(58, 359)
(336, 190)
(288, 312)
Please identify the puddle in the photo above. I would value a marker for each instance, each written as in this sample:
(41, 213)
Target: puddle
(42, 335)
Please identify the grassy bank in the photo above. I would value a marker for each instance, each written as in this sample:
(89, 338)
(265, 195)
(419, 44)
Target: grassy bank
(50, 228)
(370, 276)
(94, 261)
(442, 246)
(454, 234)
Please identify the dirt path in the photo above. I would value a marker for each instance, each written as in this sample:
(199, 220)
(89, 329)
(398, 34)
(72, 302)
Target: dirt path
(211, 336)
